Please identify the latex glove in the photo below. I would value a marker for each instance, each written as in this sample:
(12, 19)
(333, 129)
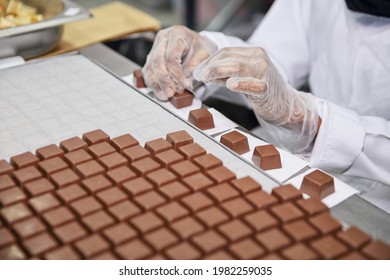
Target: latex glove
(288, 117)
(175, 53)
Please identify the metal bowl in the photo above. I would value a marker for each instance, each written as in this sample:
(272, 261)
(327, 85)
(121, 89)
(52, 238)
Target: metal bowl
(38, 38)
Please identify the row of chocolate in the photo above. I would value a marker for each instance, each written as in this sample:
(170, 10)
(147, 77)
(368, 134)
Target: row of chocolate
(100, 198)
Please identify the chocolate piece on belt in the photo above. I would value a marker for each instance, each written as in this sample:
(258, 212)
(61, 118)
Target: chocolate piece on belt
(138, 79)
(201, 118)
(182, 99)
(236, 142)
(266, 157)
(317, 184)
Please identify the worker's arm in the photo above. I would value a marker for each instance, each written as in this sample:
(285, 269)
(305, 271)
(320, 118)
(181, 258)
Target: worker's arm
(352, 144)
(283, 34)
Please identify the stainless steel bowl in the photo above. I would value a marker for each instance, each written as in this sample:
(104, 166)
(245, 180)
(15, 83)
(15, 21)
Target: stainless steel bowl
(38, 38)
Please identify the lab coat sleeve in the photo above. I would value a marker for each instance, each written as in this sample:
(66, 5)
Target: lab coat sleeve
(352, 144)
(283, 34)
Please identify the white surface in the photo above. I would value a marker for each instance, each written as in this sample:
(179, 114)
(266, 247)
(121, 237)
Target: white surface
(11, 62)
(342, 190)
(54, 99)
(290, 163)
(221, 123)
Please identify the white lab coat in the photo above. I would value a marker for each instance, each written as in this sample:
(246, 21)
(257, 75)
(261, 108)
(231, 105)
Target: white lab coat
(345, 56)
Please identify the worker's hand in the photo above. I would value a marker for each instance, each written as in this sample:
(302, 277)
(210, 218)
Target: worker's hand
(175, 53)
(289, 116)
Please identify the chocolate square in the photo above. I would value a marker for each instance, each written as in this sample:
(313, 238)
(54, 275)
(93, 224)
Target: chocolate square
(377, 250)
(187, 227)
(77, 157)
(207, 162)
(235, 141)
(49, 152)
(246, 249)
(96, 136)
(133, 250)
(299, 251)
(317, 184)
(172, 211)
(138, 79)
(201, 118)
(135, 153)
(329, 247)
(5, 167)
(52, 165)
(157, 145)
(6, 182)
(266, 157)
(191, 151)
(246, 184)
(150, 200)
(124, 141)
(73, 144)
(39, 186)
(182, 99)
(92, 185)
(169, 157)
(179, 138)
(286, 193)
(24, 160)
(183, 251)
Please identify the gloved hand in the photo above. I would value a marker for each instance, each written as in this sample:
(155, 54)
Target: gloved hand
(289, 118)
(175, 53)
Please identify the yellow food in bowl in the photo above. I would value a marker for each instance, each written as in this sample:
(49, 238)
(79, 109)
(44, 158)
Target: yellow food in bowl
(15, 13)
